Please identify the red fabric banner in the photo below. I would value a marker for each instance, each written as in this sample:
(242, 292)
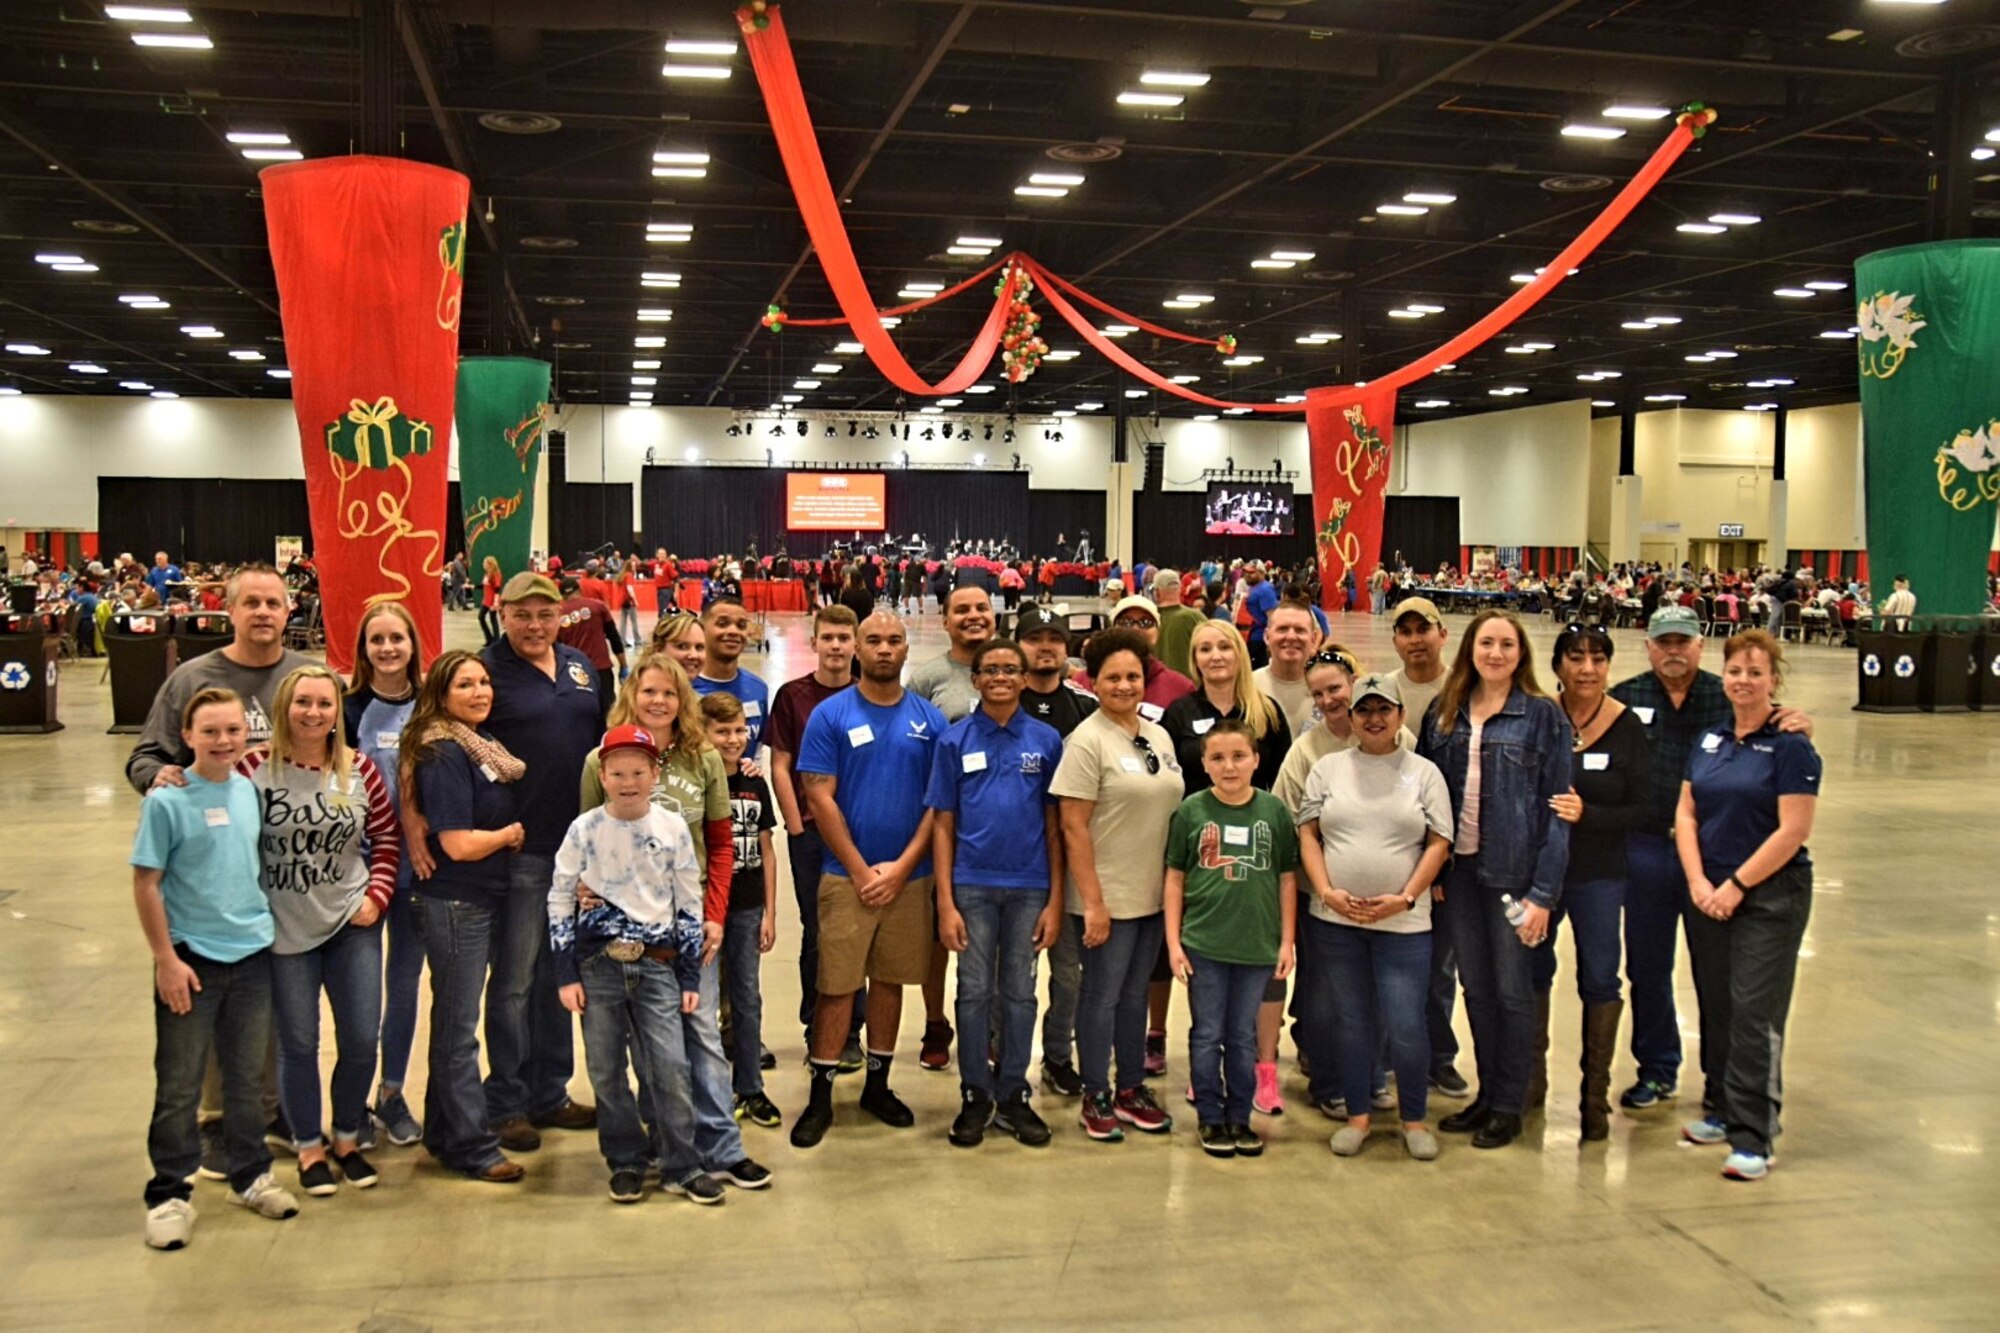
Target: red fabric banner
(1351, 448)
(370, 260)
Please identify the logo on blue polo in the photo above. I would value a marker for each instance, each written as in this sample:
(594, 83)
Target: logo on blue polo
(920, 730)
(1031, 762)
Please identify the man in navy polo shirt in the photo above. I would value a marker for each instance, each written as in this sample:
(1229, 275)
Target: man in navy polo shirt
(725, 627)
(994, 841)
(545, 709)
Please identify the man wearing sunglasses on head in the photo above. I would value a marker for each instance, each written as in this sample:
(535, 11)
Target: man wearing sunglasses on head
(1163, 683)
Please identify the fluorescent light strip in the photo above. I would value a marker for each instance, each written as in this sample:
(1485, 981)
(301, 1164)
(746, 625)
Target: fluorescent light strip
(254, 138)
(1701, 228)
(1129, 98)
(1429, 197)
(58, 259)
(701, 48)
(1054, 178)
(1294, 256)
(672, 70)
(1039, 191)
(1578, 131)
(1168, 78)
(1636, 111)
(986, 241)
(146, 14)
(681, 159)
(1735, 219)
(173, 41)
(1273, 263)
(1402, 210)
(273, 155)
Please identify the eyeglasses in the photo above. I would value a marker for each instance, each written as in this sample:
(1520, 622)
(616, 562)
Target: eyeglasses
(1134, 622)
(1000, 669)
(1152, 760)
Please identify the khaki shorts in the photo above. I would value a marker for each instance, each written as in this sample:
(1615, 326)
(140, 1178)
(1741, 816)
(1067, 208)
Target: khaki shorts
(859, 943)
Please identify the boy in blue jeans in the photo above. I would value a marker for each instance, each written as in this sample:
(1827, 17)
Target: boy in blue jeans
(195, 881)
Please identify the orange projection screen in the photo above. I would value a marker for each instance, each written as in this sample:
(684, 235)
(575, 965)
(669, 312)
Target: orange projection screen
(834, 501)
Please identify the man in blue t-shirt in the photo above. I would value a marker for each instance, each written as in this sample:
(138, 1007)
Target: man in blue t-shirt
(1260, 600)
(863, 763)
(725, 625)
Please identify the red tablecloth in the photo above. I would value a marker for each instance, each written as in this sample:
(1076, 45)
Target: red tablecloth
(774, 595)
(687, 595)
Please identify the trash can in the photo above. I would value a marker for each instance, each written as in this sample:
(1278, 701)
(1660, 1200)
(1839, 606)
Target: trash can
(22, 596)
(1983, 679)
(1944, 667)
(28, 676)
(201, 632)
(141, 654)
(1886, 663)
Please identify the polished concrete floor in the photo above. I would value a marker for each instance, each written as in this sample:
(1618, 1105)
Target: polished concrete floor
(1883, 1212)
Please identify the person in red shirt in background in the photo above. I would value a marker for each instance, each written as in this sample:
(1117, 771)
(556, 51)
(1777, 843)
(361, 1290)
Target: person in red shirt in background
(587, 627)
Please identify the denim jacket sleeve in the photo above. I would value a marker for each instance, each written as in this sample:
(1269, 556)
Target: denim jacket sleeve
(1551, 734)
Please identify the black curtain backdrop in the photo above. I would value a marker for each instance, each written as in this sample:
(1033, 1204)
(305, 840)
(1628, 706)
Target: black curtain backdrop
(1167, 528)
(199, 518)
(584, 515)
(704, 511)
(454, 525)
(1423, 527)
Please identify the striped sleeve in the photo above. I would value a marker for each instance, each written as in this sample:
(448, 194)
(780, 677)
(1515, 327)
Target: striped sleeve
(385, 834)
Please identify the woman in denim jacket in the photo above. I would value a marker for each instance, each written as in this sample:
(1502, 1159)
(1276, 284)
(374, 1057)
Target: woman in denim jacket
(1504, 748)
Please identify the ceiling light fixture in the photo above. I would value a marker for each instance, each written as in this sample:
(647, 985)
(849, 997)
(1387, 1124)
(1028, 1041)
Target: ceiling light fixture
(258, 138)
(1794, 293)
(1576, 130)
(1663, 320)
(87, 368)
(1735, 219)
(1827, 285)
(1636, 111)
(201, 331)
(1429, 197)
(245, 354)
(654, 315)
(1054, 178)
(649, 340)
(1040, 191)
(173, 41)
(58, 259)
(1401, 210)
(163, 393)
(146, 14)
(847, 349)
(1172, 78)
(1666, 397)
(1273, 263)
(987, 242)
(137, 386)
(676, 70)
(1434, 402)
(1701, 228)
(273, 155)
(1423, 309)
(74, 268)
(1064, 354)
(701, 48)
(648, 364)
(1294, 256)
(1130, 98)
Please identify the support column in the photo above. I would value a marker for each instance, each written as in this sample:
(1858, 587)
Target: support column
(1118, 488)
(1627, 493)
(1777, 542)
(381, 57)
(1956, 133)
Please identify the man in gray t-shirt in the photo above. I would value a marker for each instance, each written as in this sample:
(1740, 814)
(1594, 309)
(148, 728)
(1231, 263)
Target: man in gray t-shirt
(252, 664)
(946, 680)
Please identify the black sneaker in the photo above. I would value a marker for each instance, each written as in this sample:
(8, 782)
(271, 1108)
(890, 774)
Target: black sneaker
(758, 1110)
(317, 1179)
(887, 1107)
(744, 1174)
(766, 1061)
(628, 1186)
(356, 1169)
(214, 1152)
(1646, 1093)
(1061, 1078)
(1247, 1141)
(1217, 1141)
(698, 1188)
(1468, 1121)
(811, 1126)
(851, 1058)
(1449, 1081)
(1018, 1118)
(975, 1113)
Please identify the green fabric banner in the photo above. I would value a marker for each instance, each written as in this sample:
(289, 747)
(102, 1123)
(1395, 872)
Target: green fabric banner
(1929, 346)
(503, 404)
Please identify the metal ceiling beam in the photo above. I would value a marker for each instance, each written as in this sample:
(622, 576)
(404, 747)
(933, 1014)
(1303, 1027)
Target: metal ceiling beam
(133, 352)
(916, 84)
(1521, 21)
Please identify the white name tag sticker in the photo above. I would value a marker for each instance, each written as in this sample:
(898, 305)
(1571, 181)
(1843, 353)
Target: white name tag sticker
(1711, 742)
(217, 816)
(487, 771)
(1151, 712)
(1202, 725)
(751, 708)
(860, 736)
(388, 740)
(1596, 763)
(1236, 836)
(973, 762)
(1131, 765)
(1645, 715)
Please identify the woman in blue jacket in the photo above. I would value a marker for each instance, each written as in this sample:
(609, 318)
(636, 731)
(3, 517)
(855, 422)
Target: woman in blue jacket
(1504, 748)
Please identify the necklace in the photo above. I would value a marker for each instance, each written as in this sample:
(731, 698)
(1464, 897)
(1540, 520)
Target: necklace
(1578, 746)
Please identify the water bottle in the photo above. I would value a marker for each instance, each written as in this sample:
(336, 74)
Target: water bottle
(1515, 908)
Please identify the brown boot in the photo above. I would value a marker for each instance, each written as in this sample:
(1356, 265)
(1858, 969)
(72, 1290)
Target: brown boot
(1538, 1072)
(1600, 1044)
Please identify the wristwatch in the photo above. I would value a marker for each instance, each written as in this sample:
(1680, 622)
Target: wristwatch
(1741, 887)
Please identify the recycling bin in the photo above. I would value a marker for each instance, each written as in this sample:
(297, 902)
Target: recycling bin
(1886, 662)
(141, 652)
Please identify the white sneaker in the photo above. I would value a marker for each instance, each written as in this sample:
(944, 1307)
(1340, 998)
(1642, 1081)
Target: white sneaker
(169, 1226)
(267, 1198)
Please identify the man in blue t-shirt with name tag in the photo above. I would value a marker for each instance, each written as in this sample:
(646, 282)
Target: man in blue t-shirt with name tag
(863, 763)
(725, 626)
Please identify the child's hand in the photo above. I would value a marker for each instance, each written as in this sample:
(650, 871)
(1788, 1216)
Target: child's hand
(176, 983)
(1287, 960)
(711, 944)
(690, 1001)
(767, 933)
(586, 898)
(1177, 958)
(571, 996)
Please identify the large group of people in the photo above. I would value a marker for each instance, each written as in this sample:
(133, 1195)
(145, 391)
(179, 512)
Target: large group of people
(1276, 830)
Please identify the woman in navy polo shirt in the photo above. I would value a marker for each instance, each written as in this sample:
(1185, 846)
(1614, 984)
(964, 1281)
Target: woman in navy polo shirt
(1746, 811)
(463, 780)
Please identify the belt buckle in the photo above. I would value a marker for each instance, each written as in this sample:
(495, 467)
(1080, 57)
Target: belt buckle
(625, 951)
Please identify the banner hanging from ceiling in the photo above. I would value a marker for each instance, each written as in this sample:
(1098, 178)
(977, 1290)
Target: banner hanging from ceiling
(370, 260)
(1929, 321)
(503, 405)
(1350, 439)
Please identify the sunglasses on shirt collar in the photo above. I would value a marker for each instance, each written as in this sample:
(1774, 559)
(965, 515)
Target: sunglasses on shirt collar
(1152, 759)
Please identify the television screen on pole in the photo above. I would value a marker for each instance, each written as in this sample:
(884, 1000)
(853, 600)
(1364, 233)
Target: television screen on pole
(835, 501)
(1249, 509)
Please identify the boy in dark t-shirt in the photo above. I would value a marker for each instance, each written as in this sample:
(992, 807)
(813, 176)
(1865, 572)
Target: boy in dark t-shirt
(751, 927)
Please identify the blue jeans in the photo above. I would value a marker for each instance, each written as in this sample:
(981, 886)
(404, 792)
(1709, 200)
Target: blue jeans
(1498, 973)
(806, 853)
(530, 1040)
(232, 1013)
(1222, 1044)
(1655, 896)
(1595, 909)
(740, 960)
(998, 962)
(1111, 1004)
(717, 1140)
(348, 967)
(1441, 997)
(402, 979)
(1065, 989)
(1369, 988)
(636, 1006)
(459, 941)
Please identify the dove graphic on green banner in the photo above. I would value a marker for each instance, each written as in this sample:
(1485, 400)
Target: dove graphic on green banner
(502, 411)
(1927, 323)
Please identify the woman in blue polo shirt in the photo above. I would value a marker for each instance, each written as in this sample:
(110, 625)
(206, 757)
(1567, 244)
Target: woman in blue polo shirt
(1746, 811)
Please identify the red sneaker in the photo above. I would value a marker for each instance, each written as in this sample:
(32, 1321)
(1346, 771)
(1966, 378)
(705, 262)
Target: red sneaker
(1099, 1119)
(1136, 1107)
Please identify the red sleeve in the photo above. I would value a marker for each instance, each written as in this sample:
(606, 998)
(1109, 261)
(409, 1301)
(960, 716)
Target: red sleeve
(720, 835)
(385, 835)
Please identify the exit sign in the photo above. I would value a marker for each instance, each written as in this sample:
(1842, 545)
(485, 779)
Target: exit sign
(1729, 530)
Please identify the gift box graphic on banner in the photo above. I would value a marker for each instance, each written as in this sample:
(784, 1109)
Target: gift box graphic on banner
(502, 412)
(370, 259)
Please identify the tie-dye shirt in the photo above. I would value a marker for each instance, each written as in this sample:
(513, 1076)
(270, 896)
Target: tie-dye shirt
(650, 880)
